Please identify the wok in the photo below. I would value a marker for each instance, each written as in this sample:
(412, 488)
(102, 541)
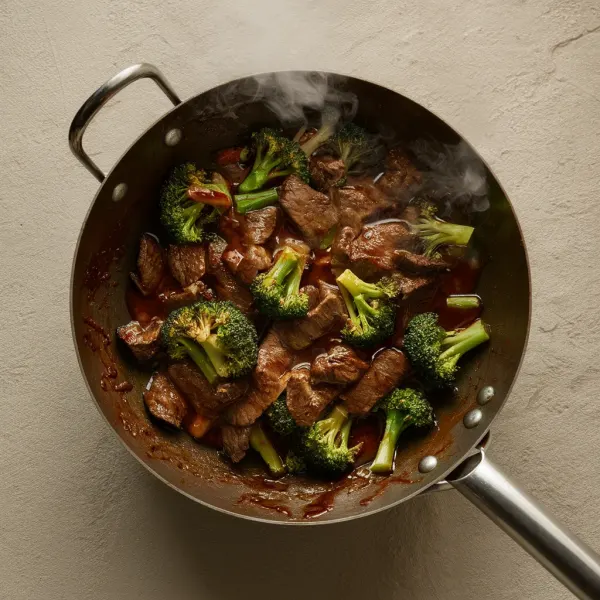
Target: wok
(124, 207)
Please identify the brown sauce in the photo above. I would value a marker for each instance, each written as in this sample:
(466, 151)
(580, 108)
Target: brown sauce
(265, 502)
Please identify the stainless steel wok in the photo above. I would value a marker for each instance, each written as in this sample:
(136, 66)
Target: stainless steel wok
(124, 207)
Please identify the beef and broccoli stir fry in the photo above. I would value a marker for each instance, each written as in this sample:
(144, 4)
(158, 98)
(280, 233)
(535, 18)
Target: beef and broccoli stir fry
(301, 285)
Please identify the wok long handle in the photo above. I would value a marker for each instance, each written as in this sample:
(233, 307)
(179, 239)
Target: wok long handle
(572, 562)
(100, 97)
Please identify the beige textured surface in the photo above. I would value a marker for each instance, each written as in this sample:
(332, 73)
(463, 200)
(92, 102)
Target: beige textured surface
(78, 517)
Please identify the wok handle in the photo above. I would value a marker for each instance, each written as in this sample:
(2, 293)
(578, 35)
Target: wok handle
(572, 562)
(100, 97)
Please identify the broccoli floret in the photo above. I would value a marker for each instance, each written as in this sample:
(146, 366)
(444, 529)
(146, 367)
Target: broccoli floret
(275, 156)
(324, 446)
(277, 292)
(280, 418)
(434, 352)
(403, 408)
(435, 233)
(246, 202)
(352, 144)
(261, 443)
(329, 119)
(295, 463)
(190, 200)
(215, 335)
(372, 315)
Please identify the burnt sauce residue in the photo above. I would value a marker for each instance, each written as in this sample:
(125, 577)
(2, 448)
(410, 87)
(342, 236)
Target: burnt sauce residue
(313, 498)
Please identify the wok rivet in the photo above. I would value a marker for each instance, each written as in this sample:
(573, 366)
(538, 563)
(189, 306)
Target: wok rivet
(119, 192)
(427, 464)
(485, 394)
(472, 418)
(173, 137)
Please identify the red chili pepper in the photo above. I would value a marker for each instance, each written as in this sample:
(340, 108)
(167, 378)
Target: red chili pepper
(211, 197)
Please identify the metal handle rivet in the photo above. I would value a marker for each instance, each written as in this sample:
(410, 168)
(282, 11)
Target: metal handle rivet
(119, 192)
(173, 137)
(485, 394)
(472, 418)
(427, 464)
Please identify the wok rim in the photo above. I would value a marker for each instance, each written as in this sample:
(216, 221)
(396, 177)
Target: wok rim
(315, 522)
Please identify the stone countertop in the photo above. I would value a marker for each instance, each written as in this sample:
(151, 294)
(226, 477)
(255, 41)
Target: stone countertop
(79, 518)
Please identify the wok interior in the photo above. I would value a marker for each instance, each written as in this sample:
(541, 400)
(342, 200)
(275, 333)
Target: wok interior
(109, 243)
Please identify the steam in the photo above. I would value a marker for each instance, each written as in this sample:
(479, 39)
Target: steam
(453, 174)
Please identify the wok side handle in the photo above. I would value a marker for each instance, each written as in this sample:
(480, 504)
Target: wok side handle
(100, 97)
(572, 562)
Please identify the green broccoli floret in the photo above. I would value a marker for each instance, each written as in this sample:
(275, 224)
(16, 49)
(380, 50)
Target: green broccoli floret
(352, 144)
(190, 200)
(372, 315)
(261, 443)
(324, 446)
(280, 418)
(254, 201)
(434, 352)
(435, 233)
(277, 292)
(275, 156)
(215, 335)
(295, 463)
(403, 408)
(329, 119)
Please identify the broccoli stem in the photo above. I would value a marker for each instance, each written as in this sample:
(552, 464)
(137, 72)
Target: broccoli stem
(286, 261)
(260, 173)
(395, 424)
(463, 302)
(440, 233)
(357, 286)
(463, 341)
(246, 202)
(196, 353)
(215, 355)
(292, 283)
(261, 443)
(349, 304)
(338, 415)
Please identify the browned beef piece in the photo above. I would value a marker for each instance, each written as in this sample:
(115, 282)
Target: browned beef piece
(358, 203)
(387, 370)
(419, 263)
(411, 284)
(340, 365)
(245, 263)
(313, 212)
(178, 298)
(306, 401)
(187, 263)
(236, 441)
(234, 172)
(313, 295)
(164, 402)
(376, 250)
(326, 171)
(328, 316)
(144, 342)
(260, 225)
(401, 174)
(207, 400)
(150, 264)
(269, 380)
(227, 287)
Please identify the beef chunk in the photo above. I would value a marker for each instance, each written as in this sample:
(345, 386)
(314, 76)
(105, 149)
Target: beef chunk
(236, 441)
(306, 401)
(401, 174)
(260, 225)
(182, 297)
(328, 316)
(144, 342)
(376, 250)
(245, 263)
(150, 264)
(387, 370)
(340, 366)
(227, 287)
(187, 263)
(313, 212)
(358, 203)
(269, 380)
(234, 172)
(206, 399)
(326, 171)
(419, 263)
(164, 402)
